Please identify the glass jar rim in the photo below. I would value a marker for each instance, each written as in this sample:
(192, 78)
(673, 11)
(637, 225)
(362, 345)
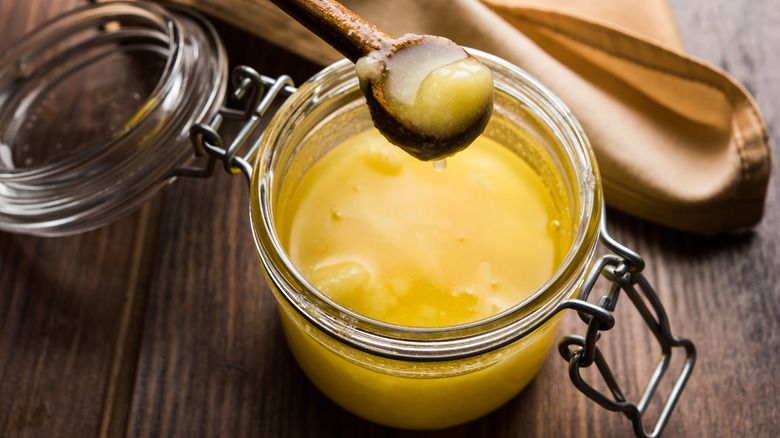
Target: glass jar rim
(109, 176)
(429, 343)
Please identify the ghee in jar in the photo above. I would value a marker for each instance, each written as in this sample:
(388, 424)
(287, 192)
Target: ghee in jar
(394, 239)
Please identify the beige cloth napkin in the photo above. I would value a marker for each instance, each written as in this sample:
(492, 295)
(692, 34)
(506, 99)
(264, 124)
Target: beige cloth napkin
(678, 142)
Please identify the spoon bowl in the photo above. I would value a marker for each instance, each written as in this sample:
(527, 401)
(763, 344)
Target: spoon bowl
(426, 94)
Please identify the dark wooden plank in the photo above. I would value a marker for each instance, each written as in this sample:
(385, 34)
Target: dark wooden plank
(732, 296)
(70, 308)
(68, 319)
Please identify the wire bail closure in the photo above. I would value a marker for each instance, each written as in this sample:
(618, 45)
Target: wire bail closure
(624, 270)
(257, 92)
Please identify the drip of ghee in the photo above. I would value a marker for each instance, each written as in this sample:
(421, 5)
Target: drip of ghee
(392, 238)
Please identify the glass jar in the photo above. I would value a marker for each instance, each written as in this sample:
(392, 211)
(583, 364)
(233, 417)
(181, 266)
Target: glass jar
(414, 377)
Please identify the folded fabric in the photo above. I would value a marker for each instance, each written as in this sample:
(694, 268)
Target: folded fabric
(678, 142)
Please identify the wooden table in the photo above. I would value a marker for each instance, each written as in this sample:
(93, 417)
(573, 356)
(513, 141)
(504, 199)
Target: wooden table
(161, 324)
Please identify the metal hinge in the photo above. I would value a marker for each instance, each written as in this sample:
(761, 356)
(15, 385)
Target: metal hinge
(257, 92)
(623, 269)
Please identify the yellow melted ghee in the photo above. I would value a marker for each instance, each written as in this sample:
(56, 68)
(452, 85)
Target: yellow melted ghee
(393, 239)
(438, 89)
(450, 97)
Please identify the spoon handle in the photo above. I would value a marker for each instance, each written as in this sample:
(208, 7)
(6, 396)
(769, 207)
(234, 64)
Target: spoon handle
(341, 28)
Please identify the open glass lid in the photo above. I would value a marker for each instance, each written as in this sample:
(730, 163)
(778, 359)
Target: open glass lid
(95, 111)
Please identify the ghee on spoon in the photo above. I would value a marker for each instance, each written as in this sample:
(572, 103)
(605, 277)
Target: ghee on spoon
(426, 94)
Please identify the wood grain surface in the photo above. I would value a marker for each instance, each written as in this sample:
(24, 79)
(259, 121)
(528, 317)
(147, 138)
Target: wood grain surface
(161, 324)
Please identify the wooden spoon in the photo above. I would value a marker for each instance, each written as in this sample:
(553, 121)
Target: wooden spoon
(401, 79)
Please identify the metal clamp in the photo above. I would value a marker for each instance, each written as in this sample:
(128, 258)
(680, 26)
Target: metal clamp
(623, 269)
(257, 92)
